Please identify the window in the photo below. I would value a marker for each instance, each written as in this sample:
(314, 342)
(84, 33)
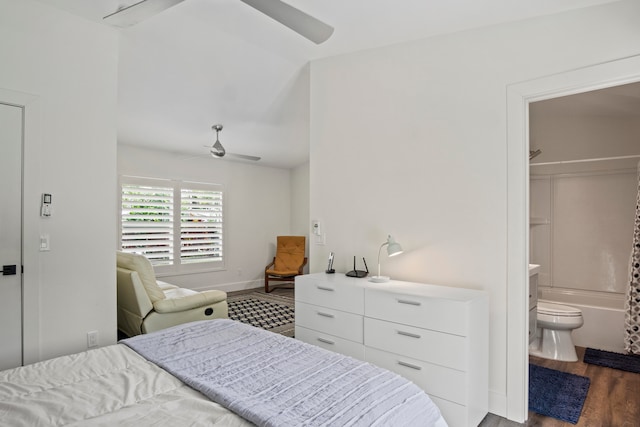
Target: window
(177, 225)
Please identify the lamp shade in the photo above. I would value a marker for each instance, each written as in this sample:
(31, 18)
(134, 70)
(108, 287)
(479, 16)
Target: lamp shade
(393, 247)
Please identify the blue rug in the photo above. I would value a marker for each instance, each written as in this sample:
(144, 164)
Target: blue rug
(557, 394)
(624, 362)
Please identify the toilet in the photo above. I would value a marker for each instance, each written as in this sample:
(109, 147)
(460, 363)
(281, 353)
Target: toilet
(554, 325)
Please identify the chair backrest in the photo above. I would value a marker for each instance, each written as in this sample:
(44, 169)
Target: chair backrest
(289, 253)
(141, 265)
(133, 302)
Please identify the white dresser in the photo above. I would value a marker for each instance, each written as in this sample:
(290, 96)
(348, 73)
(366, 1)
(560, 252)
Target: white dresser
(436, 336)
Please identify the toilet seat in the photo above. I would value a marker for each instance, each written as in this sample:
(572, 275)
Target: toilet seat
(559, 310)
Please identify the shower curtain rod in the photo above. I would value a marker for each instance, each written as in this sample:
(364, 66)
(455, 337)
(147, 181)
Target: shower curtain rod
(562, 162)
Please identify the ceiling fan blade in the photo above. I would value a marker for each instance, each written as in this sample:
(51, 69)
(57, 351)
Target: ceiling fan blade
(138, 12)
(305, 25)
(244, 156)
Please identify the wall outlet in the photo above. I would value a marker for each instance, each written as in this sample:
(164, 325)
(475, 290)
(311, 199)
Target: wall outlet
(92, 339)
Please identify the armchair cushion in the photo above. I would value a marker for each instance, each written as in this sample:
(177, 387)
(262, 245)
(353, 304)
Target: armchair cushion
(141, 264)
(289, 256)
(181, 299)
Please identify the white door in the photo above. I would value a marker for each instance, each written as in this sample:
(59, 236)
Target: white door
(10, 236)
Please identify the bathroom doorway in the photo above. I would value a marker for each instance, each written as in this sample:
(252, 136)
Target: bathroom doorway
(583, 186)
(519, 97)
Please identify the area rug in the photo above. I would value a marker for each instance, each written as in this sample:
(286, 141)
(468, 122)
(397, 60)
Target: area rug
(271, 312)
(608, 359)
(557, 394)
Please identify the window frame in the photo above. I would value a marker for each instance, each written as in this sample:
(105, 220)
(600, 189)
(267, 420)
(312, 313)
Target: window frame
(177, 266)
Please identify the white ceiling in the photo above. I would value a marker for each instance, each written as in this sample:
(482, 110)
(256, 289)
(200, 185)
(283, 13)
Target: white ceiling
(204, 62)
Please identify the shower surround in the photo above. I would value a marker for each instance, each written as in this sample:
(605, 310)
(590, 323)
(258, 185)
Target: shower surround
(581, 230)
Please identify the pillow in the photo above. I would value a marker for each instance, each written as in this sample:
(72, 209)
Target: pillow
(144, 268)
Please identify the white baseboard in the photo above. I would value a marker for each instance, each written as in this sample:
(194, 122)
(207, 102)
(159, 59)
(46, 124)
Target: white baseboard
(498, 403)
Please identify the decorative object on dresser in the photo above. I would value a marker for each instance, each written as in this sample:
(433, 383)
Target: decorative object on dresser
(358, 273)
(288, 262)
(393, 249)
(436, 336)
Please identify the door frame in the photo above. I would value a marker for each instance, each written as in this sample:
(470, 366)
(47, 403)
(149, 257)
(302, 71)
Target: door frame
(31, 183)
(519, 96)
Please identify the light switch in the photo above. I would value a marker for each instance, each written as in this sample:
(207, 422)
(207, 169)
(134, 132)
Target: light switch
(44, 243)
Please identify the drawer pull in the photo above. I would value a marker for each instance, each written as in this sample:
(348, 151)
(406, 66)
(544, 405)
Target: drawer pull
(405, 301)
(408, 334)
(409, 365)
(326, 341)
(320, 313)
(323, 288)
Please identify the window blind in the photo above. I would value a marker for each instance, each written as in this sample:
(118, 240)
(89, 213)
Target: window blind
(147, 222)
(177, 225)
(201, 221)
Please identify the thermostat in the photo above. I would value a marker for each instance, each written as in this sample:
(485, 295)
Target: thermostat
(45, 209)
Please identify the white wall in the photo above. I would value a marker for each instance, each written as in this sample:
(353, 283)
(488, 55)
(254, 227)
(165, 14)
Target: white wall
(68, 66)
(300, 218)
(421, 132)
(258, 208)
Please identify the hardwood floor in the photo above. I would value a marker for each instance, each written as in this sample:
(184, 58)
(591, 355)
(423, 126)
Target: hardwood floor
(613, 399)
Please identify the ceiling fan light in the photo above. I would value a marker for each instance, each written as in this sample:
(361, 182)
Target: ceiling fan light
(217, 150)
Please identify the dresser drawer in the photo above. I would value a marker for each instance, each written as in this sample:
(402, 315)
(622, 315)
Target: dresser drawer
(327, 320)
(337, 292)
(330, 342)
(436, 380)
(432, 313)
(423, 344)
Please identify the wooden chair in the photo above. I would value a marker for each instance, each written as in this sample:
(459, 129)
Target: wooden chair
(288, 262)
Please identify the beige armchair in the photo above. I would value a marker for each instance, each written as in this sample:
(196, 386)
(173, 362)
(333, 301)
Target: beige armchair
(147, 305)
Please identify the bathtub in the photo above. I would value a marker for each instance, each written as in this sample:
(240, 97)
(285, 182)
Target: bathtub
(603, 315)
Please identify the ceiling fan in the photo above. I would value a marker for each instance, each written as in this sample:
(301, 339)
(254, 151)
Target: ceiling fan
(218, 151)
(295, 19)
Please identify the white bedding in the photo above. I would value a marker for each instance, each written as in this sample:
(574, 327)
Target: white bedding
(115, 386)
(109, 386)
(275, 381)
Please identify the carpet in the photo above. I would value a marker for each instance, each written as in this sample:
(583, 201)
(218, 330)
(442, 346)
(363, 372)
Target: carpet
(608, 359)
(271, 312)
(557, 394)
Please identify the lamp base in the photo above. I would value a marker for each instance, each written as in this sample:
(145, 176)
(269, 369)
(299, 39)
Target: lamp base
(379, 279)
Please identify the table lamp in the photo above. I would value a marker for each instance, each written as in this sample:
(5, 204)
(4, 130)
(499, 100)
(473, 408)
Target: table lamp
(393, 249)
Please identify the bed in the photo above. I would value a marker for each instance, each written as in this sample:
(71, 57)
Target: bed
(214, 373)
